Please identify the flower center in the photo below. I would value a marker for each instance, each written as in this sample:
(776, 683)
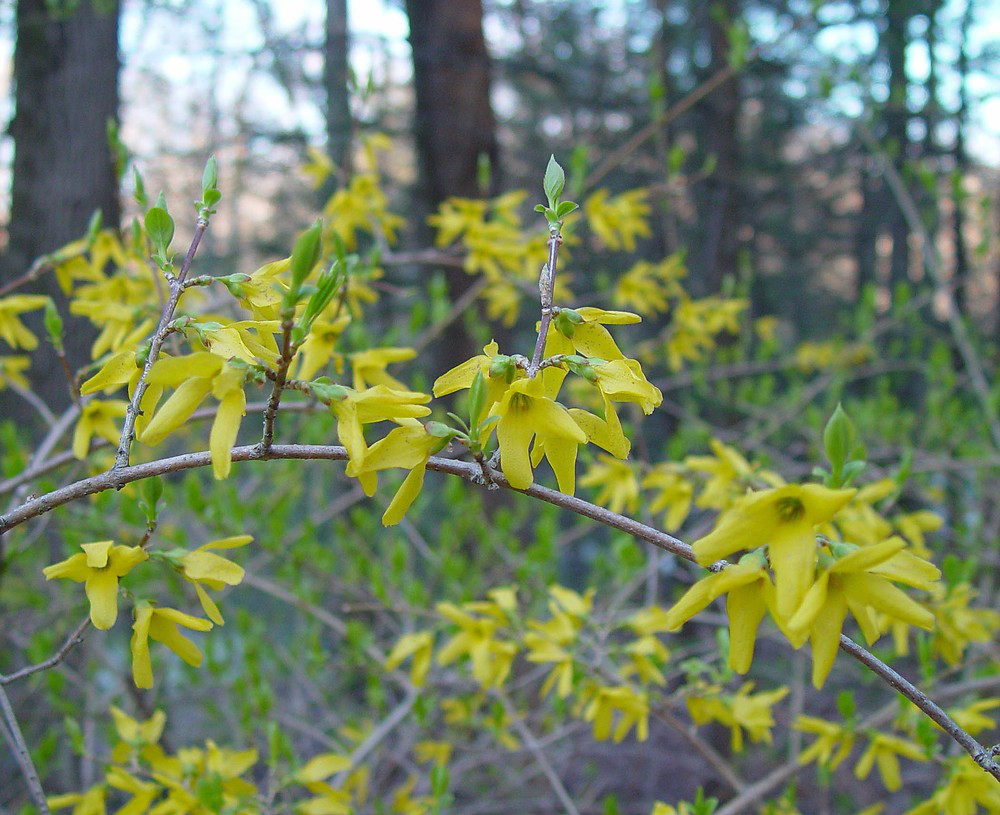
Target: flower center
(790, 509)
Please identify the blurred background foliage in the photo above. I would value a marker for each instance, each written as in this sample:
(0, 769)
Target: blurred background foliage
(829, 169)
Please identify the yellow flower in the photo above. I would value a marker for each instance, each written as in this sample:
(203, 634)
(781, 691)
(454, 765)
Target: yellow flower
(369, 367)
(971, 718)
(618, 221)
(847, 582)
(631, 706)
(97, 416)
(967, 785)
(99, 567)
(491, 658)
(784, 519)
(416, 645)
(318, 348)
(195, 377)
(674, 494)
(884, 750)
(730, 475)
(739, 711)
(378, 404)
(832, 746)
(409, 447)
(12, 330)
(133, 734)
(121, 369)
(161, 625)
(525, 412)
(143, 792)
(319, 167)
(619, 488)
(623, 381)
(750, 594)
(12, 371)
(462, 376)
(203, 566)
(90, 802)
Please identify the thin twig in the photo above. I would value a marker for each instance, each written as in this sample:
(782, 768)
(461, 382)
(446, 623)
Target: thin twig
(20, 750)
(176, 289)
(71, 642)
(690, 735)
(546, 285)
(288, 349)
(536, 750)
(929, 253)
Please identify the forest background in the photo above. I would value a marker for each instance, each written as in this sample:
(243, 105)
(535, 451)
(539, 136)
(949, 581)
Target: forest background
(800, 200)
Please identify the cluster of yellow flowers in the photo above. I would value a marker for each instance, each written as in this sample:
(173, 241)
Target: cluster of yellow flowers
(102, 564)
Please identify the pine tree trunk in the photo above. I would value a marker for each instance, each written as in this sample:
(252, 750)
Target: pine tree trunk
(66, 75)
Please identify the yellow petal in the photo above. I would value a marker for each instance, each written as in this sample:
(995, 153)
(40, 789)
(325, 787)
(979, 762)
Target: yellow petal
(225, 429)
(97, 553)
(142, 669)
(404, 497)
(176, 410)
(102, 591)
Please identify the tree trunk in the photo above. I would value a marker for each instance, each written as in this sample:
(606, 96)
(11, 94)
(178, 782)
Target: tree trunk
(895, 38)
(721, 252)
(454, 120)
(66, 76)
(338, 99)
(961, 157)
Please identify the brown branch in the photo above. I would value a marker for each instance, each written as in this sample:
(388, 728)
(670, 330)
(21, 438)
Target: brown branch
(546, 285)
(288, 350)
(20, 749)
(71, 642)
(470, 471)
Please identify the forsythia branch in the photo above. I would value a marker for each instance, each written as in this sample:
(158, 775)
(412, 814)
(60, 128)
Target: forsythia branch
(470, 471)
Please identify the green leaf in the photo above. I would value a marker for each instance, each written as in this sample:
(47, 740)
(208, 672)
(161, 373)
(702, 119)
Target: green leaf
(209, 792)
(210, 176)
(846, 705)
(477, 398)
(151, 490)
(440, 430)
(565, 208)
(140, 189)
(838, 439)
(554, 182)
(53, 324)
(94, 226)
(305, 254)
(159, 228)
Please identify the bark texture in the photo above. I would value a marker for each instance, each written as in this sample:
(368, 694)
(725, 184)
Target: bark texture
(66, 77)
(454, 120)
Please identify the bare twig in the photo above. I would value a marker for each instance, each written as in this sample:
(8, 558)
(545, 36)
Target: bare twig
(288, 349)
(546, 284)
(931, 263)
(71, 642)
(536, 750)
(20, 750)
(176, 289)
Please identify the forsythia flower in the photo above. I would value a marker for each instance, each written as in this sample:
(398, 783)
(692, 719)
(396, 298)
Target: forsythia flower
(416, 645)
(619, 488)
(318, 348)
(202, 567)
(491, 658)
(409, 447)
(674, 494)
(369, 367)
(739, 711)
(12, 330)
(12, 371)
(99, 567)
(730, 475)
(833, 743)
(784, 519)
(97, 416)
(161, 624)
(526, 412)
(632, 707)
(618, 221)
(750, 594)
(966, 787)
(848, 582)
(884, 751)
(195, 377)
